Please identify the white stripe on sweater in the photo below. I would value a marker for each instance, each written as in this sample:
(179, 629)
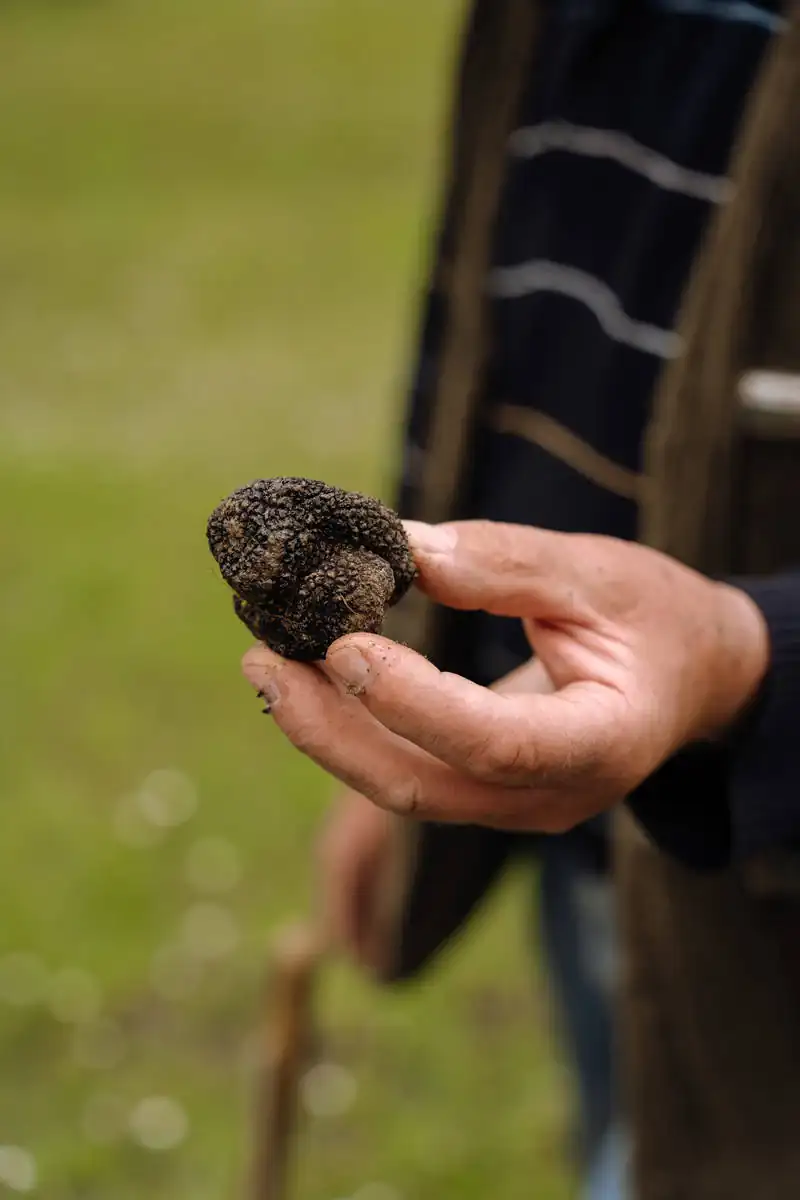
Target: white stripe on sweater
(534, 140)
(730, 11)
(539, 275)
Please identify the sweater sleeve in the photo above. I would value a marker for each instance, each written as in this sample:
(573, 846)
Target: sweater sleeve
(712, 805)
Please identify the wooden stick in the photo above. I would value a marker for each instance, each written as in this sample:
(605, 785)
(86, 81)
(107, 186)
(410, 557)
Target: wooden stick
(285, 1051)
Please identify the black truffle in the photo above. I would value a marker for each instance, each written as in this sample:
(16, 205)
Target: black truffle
(309, 562)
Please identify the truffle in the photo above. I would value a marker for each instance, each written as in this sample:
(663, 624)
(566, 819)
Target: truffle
(308, 562)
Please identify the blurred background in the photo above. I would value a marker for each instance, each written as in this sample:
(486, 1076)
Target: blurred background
(213, 227)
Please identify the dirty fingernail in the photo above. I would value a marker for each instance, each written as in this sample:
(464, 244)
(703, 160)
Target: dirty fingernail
(264, 681)
(350, 667)
(431, 539)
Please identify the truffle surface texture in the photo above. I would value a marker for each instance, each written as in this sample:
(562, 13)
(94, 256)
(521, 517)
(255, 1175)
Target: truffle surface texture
(308, 562)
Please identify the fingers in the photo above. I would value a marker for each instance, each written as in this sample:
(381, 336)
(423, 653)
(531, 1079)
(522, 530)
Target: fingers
(345, 897)
(509, 570)
(518, 740)
(341, 735)
(333, 730)
(353, 854)
(338, 872)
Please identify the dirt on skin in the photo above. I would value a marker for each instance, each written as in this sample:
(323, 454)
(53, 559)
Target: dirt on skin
(308, 562)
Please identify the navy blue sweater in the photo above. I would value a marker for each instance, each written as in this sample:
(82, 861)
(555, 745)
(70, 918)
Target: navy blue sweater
(617, 161)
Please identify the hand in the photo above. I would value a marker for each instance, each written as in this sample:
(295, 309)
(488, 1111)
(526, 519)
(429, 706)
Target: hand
(355, 855)
(645, 656)
(354, 858)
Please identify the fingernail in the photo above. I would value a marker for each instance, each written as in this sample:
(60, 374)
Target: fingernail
(269, 691)
(264, 680)
(350, 667)
(431, 539)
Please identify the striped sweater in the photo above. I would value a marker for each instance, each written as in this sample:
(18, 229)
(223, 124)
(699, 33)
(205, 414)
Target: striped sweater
(617, 160)
(618, 157)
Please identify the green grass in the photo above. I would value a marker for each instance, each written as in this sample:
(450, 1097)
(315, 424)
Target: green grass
(213, 223)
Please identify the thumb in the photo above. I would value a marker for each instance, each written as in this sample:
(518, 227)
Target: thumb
(507, 570)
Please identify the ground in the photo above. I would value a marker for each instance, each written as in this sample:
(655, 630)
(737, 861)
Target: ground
(213, 222)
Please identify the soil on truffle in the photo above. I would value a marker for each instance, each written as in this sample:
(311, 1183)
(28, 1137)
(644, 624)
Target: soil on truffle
(308, 562)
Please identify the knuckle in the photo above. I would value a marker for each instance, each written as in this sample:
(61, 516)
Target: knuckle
(497, 757)
(304, 734)
(402, 796)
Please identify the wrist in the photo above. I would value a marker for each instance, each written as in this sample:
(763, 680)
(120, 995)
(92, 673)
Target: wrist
(743, 658)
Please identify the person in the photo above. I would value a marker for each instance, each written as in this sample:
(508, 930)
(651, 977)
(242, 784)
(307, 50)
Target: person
(572, 896)
(614, 322)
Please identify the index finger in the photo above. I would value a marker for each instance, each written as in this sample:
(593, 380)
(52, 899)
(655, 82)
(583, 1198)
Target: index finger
(508, 570)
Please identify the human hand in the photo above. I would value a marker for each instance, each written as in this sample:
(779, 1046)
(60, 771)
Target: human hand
(355, 856)
(644, 655)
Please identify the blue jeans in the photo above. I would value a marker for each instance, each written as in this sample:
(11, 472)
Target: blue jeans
(576, 907)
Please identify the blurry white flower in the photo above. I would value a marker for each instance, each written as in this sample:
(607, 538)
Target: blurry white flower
(210, 931)
(328, 1090)
(104, 1118)
(23, 979)
(377, 1191)
(132, 827)
(158, 1123)
(17, 1169)
(167, 798)
(213, 865)
(74, 996)
(175, 973)
(99, 1045)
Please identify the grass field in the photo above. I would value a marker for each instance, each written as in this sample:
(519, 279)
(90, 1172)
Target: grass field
(213, 220)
